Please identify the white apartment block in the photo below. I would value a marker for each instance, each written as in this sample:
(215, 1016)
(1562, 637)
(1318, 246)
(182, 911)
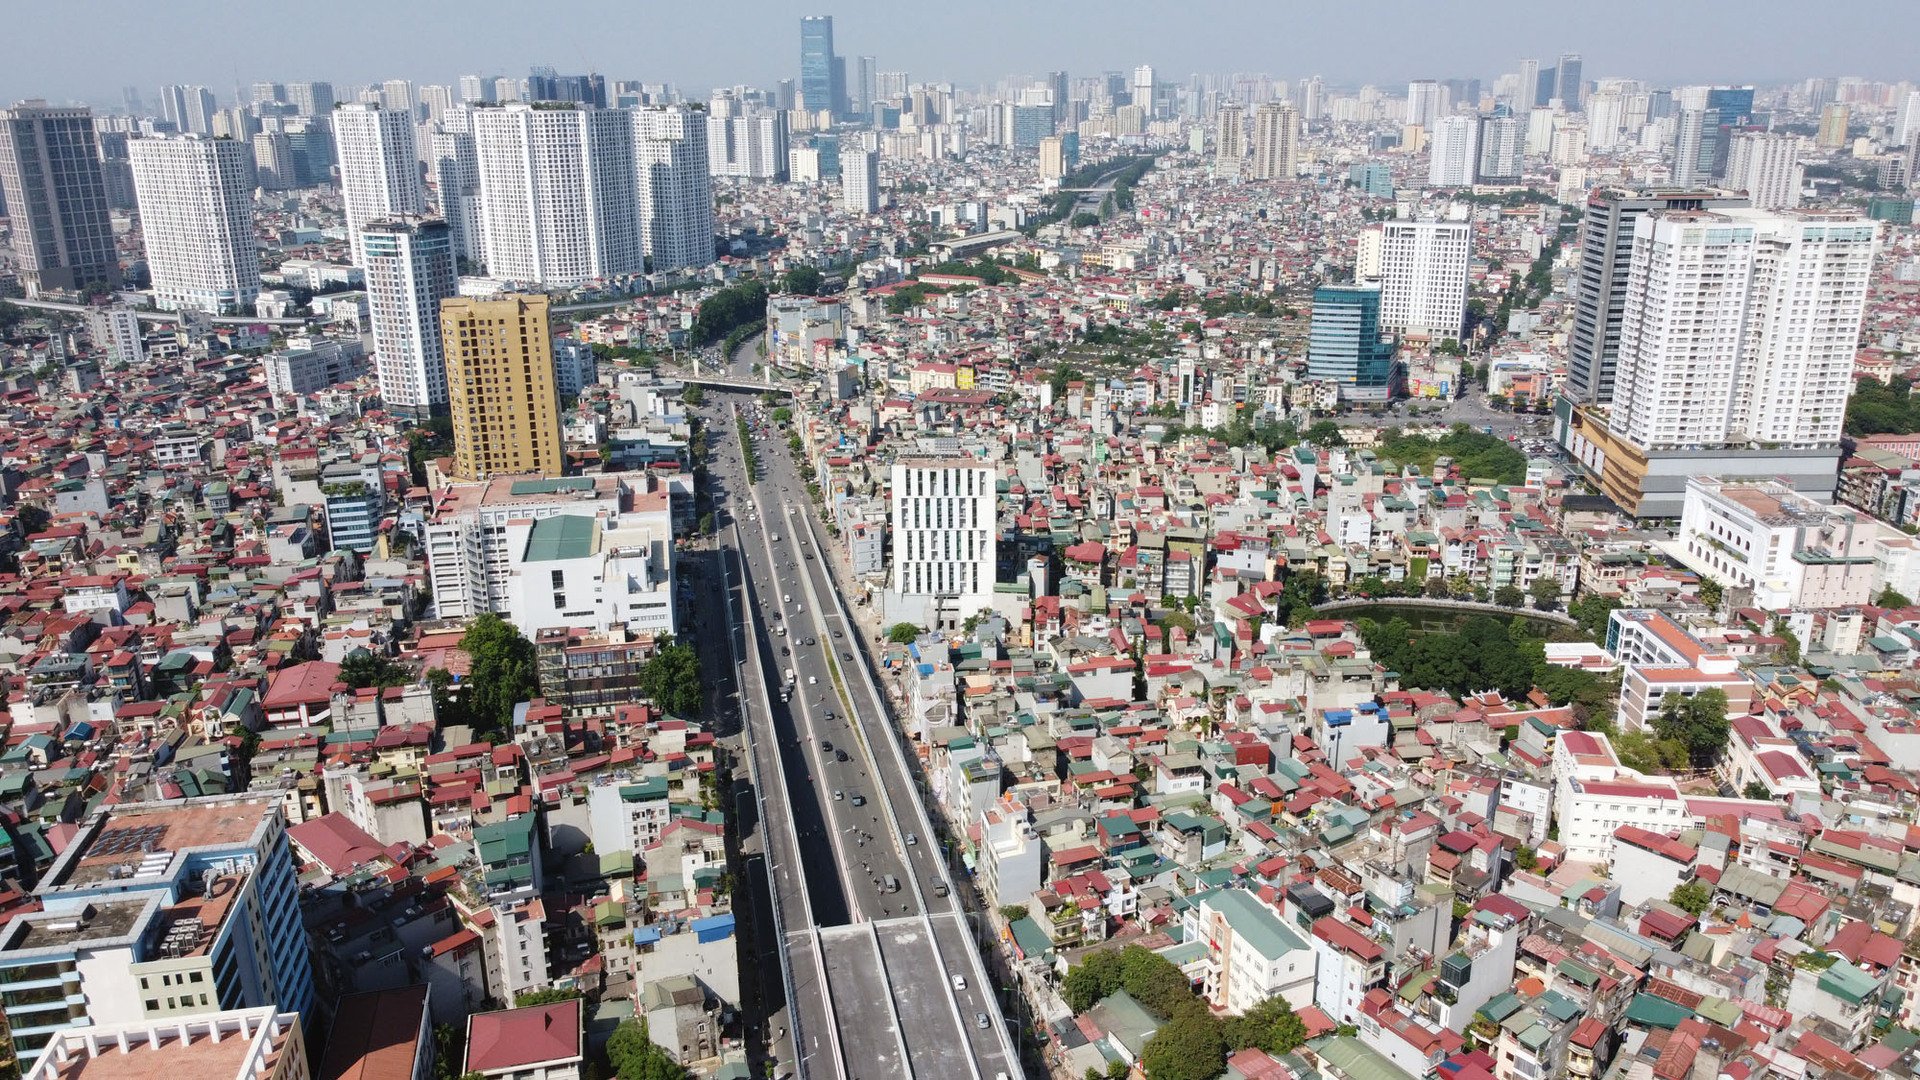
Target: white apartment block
(379, 167)
(1594, 795)
(1659, 659)
(1767, 167)
(590, 572)
(747, 142)
(1423, 277)
(1251, 952)
(1454, 151)
(117, 330)
(1276, 142)
(454, 164)
(1740, 327)
(1229, 142)
(1426, 101)
(409, 264)
(558, 203)
(860, 181)
(196, 221)
(308, 366)
(1012, 855)
(676, 190)
(945, 537)
(1349, 963)
(468, 555)
(1791, 551)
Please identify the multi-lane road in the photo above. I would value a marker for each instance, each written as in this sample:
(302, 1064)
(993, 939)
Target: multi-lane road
(878, 972)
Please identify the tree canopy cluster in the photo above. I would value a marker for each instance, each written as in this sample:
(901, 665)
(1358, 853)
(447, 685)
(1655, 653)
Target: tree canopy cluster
(1486, 654)
(732, 307)
(1883, 408)
(503, 672)
(1192, 1043)
(671, 677)
(362, 669)
(1476, 454)
(635, 1056)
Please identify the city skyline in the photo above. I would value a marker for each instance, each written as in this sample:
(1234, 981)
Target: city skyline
(694, 50)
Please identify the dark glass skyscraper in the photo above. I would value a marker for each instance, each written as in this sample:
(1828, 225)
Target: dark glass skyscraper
(1344, 345)
(1569, 86)
(50, 172)
(822, 79)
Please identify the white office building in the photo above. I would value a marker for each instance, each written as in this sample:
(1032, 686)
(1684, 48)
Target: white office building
(1455, 151)
(945, 536)
(1740, 327)
(558, 203)
(196, 221)
(1423, 278)
(409, 265)
(1767, 167)
(379, 167)
(860, 181)
(1791, 551)
(588, 571)
(471, 562)
(675, 187)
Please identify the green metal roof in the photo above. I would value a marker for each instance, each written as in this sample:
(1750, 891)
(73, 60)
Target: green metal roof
(1651, 1011)
(569, 536)
(1255, 922)
(552, 485)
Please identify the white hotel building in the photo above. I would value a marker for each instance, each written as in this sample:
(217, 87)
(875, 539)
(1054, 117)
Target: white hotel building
(196, 219)
(1422, 271)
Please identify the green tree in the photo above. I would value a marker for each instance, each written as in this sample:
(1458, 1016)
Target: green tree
(1271, 1025)
(804, 280)
(671, 677)
(635, 1056)
(1545, 591)
(1177, 620)
(1526, 858)
(782, 415)
(1710, 593)
(502, 673)
(1509, 596)
(1755, 790)
(1324, 434)
(1698, 722)
(362, 669)
(1891, 598)
(1093, 978)
(903, 633)
(1691, 897)
(1187, 1047)
(732, 307)
(448, 709)
(543, 997)
(1084, 220)
(693, 394)
(1592, 613)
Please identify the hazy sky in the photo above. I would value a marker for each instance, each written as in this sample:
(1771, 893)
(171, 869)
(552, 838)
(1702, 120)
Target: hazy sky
(88, 49)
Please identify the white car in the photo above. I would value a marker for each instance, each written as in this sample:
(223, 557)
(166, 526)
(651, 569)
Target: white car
(959, 982)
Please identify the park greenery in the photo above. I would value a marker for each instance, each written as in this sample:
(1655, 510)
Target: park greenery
(1475, 454)
(1192, 1043)
(502, 673)
(735, 306)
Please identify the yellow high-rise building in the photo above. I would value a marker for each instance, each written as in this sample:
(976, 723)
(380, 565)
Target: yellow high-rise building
(506, 413)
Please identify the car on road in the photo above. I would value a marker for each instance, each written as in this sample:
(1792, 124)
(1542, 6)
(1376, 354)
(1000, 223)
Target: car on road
(859, 800)
(784, 651)
(980, 1020)
(838, 795)
(813, 680)
(840, 755)
(809, 641)
(826, 744)
(912, 839)
(838, 634)
(847, 656)
(959, 982)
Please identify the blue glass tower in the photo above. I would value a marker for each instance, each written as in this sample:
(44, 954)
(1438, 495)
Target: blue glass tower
(1344, 346)
(817, 65)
